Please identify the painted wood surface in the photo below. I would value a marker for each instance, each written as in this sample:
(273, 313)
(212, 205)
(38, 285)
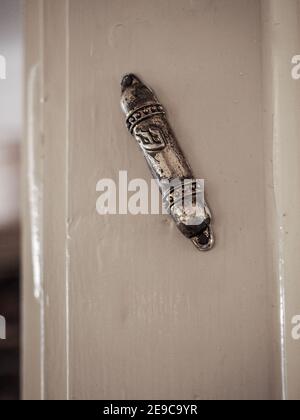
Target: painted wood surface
(129, 308)
(282, 103)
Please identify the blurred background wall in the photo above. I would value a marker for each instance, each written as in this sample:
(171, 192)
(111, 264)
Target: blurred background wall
(11, 49)
(10, 136)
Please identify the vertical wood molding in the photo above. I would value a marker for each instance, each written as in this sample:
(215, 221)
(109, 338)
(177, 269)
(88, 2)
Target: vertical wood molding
(281, 31)
(45, 367)
(130, 309)
(32, 361)
(55, 101)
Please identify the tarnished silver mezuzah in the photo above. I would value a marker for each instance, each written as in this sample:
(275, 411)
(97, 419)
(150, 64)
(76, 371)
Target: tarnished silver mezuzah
(182, 194)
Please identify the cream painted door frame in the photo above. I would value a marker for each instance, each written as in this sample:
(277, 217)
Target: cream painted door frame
(123, 307)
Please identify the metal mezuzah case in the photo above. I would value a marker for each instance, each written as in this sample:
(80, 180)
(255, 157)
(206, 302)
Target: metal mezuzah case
(182, 194)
